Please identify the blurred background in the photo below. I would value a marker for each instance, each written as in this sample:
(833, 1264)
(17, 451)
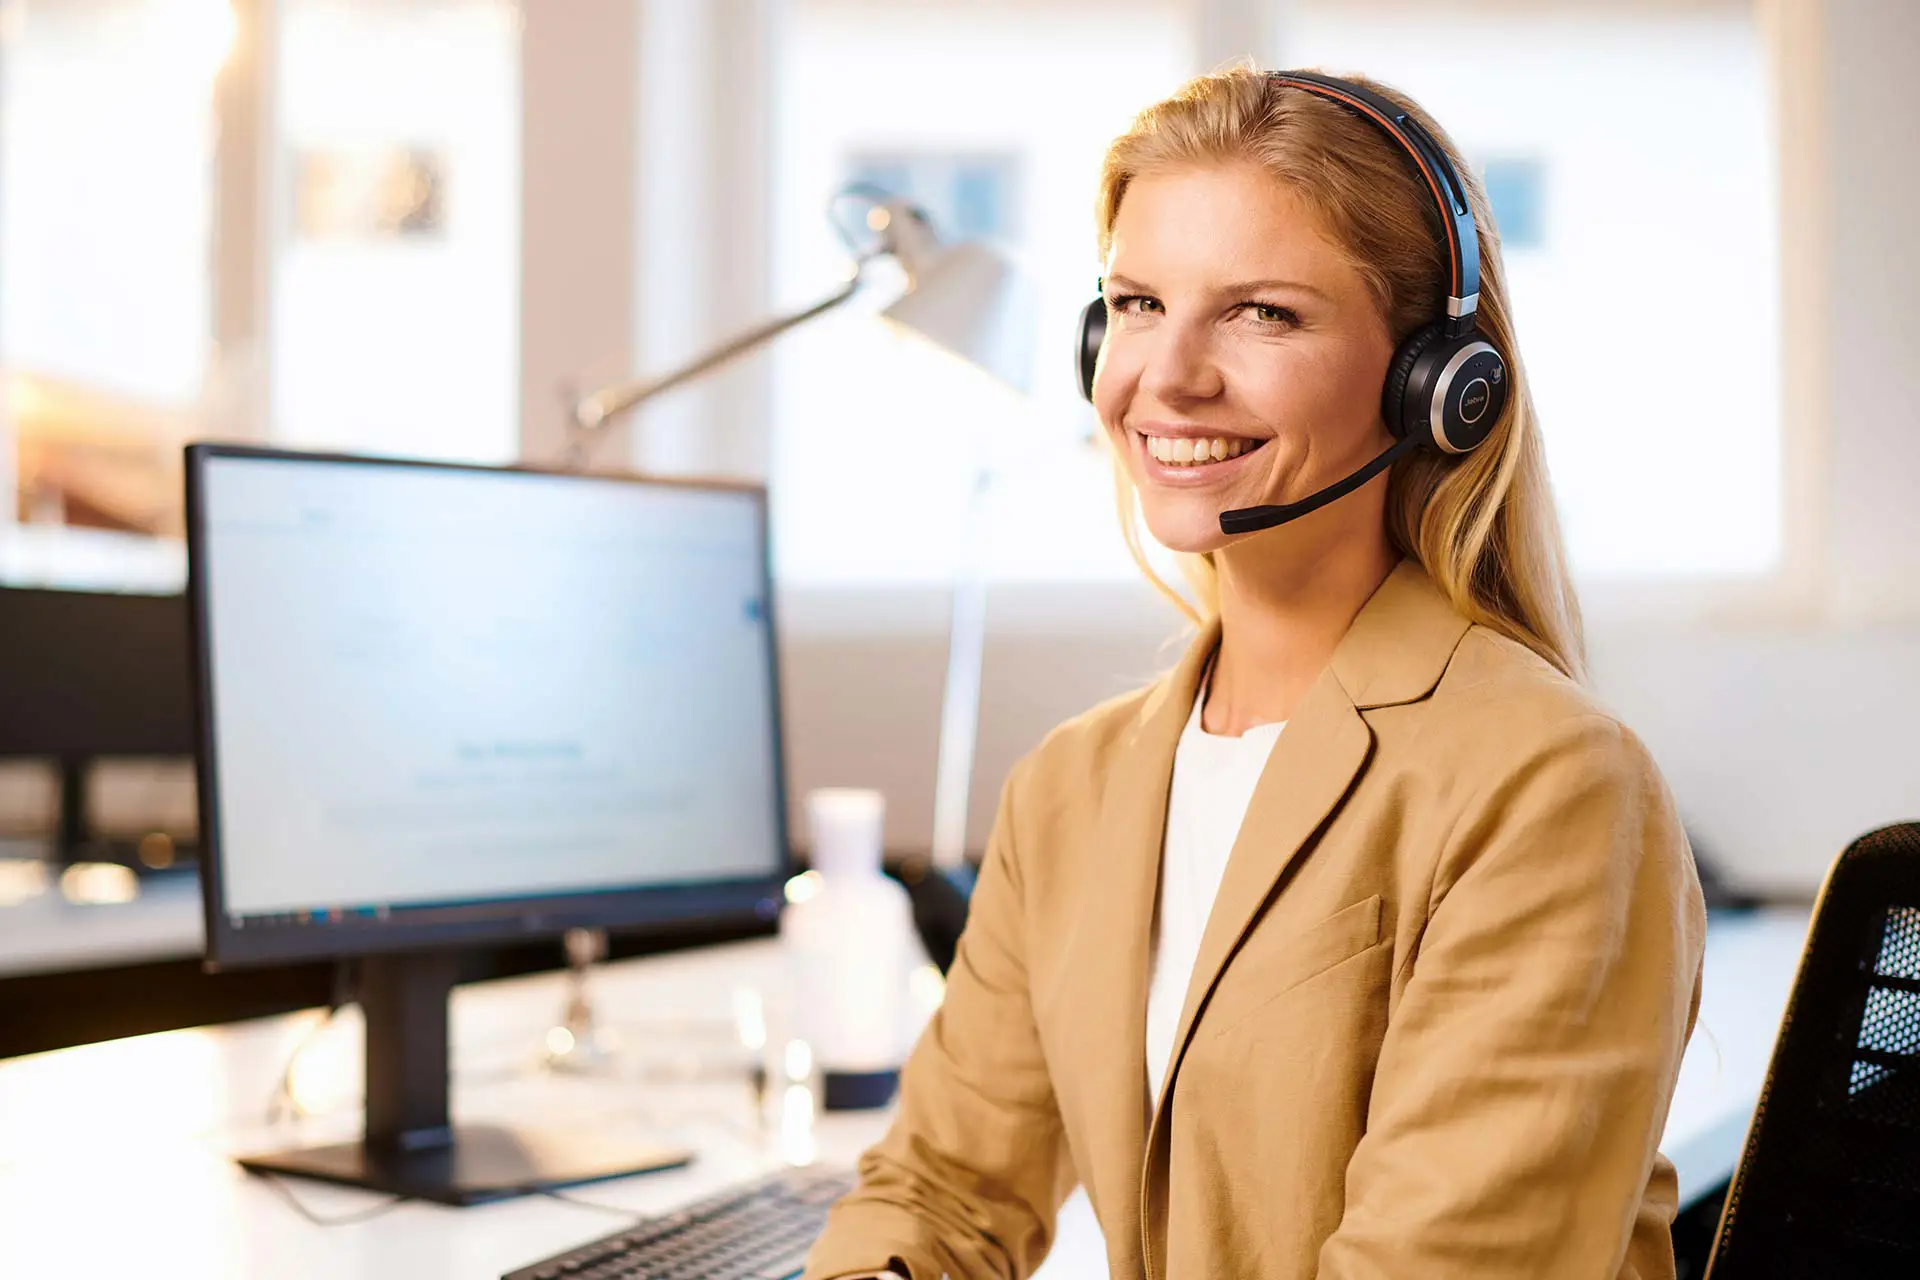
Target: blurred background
(419, 226)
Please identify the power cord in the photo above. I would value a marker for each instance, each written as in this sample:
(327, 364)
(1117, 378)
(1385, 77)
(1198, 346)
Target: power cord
(279, 1187)
(285, 1192)
(631, 1215)
(282, 1101)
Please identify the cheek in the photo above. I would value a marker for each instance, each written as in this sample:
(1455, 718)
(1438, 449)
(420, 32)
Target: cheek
(1113, 387)
(1314, 392)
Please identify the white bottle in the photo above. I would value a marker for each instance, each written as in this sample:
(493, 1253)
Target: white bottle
(851, 947)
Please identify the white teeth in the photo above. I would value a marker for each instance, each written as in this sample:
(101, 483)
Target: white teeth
(1186, 451)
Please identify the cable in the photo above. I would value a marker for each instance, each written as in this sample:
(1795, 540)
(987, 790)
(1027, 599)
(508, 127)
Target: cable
(342, 994)
(631, 1215)
(285, 1192)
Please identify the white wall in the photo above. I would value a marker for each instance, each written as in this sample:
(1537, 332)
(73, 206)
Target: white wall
(1873, 132)
(704, 172)
(578, 213)
(1782, 743)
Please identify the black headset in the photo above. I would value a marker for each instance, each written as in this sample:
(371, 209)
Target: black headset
(1446, 385)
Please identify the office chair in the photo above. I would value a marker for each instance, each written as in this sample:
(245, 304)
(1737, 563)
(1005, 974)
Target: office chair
(1829, 1182)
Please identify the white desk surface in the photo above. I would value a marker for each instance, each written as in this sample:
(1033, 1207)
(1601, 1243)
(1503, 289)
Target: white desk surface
(114, 1158)
(48, 934)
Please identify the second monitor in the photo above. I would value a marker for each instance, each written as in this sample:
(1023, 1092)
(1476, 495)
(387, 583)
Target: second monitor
(450, 706)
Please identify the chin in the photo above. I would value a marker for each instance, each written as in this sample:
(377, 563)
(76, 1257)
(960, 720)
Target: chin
(1183, 523)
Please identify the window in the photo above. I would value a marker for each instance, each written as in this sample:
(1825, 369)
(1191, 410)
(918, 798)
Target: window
(875, 442)
(396, 274)
(1516, 188)
(106, 277)
(968, 197)
(106, 135)
(389, 277)
(1641, 253)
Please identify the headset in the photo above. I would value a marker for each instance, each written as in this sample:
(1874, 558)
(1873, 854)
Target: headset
(1446, 385)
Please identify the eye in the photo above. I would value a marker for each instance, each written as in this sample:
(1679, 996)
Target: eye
(1134, 303)
(1271, 315)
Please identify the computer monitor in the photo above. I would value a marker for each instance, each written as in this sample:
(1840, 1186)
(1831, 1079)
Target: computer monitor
(88, 676)
(446, 706)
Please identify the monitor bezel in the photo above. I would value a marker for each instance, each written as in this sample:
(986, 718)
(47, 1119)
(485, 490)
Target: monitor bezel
(674, 909)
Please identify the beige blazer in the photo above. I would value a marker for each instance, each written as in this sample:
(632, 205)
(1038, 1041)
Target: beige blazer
(1435, 1021)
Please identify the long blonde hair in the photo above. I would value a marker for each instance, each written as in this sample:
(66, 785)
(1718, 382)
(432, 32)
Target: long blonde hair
(1483, 526)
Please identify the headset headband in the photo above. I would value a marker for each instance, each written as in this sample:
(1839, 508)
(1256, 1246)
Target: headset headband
(1463, 235)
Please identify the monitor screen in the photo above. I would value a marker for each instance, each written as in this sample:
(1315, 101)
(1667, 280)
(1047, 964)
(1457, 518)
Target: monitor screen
(445, 704)
(90, 674)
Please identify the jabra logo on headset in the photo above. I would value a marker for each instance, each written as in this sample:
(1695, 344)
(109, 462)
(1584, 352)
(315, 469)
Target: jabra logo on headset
(1473, 401)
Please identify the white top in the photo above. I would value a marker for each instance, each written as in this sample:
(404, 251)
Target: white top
(1213, 781)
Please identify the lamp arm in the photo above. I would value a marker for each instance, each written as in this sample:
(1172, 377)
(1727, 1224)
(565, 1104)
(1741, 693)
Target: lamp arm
(602, 406)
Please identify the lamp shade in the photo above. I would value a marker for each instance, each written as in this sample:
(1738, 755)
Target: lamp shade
(973, 300)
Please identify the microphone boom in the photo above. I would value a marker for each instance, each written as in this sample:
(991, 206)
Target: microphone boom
(1254, 519)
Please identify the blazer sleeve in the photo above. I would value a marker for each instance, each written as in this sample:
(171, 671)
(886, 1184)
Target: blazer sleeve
(970, 1176)
(1525, 1075)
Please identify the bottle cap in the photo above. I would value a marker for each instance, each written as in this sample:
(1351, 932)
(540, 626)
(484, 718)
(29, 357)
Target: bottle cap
(846, 825)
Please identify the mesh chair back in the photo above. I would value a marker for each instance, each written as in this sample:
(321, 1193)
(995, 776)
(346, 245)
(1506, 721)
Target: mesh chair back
(1829, 1183)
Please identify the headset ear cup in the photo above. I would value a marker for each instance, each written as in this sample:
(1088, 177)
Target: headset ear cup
(1093, 332)
(1393, 396)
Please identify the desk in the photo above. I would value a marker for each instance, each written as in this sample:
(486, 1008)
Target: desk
(114, 1157)
(48, 934)
(1750, 965)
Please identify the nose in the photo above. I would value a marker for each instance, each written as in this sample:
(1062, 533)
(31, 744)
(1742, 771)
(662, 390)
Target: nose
(1180, 365)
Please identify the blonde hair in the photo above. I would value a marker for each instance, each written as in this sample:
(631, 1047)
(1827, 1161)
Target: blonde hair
(1482, 526)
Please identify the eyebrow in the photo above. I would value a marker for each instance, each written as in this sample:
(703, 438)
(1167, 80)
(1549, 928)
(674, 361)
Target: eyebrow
(1241, 286)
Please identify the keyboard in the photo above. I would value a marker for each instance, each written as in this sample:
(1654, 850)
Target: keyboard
(754, 1231)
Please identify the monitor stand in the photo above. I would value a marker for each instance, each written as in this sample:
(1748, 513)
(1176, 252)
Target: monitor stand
(410, 1149)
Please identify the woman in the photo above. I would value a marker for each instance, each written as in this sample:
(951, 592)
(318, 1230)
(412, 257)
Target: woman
(1363, 944)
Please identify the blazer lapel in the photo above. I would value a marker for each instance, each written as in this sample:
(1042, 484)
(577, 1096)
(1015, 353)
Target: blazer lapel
(1109, 950)
(1395, 651)
(1314, 762)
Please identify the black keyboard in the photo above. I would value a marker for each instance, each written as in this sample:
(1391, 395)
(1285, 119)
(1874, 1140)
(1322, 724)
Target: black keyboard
(756, 1231)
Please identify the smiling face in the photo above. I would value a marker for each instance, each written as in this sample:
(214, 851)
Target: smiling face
(1244, 354)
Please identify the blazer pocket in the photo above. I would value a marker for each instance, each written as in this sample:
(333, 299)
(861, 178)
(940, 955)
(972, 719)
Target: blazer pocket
(1266, 968)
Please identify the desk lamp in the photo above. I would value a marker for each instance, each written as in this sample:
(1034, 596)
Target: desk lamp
(967, 298)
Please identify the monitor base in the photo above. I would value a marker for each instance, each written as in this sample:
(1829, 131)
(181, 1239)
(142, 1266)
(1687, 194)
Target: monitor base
(480, 1164)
